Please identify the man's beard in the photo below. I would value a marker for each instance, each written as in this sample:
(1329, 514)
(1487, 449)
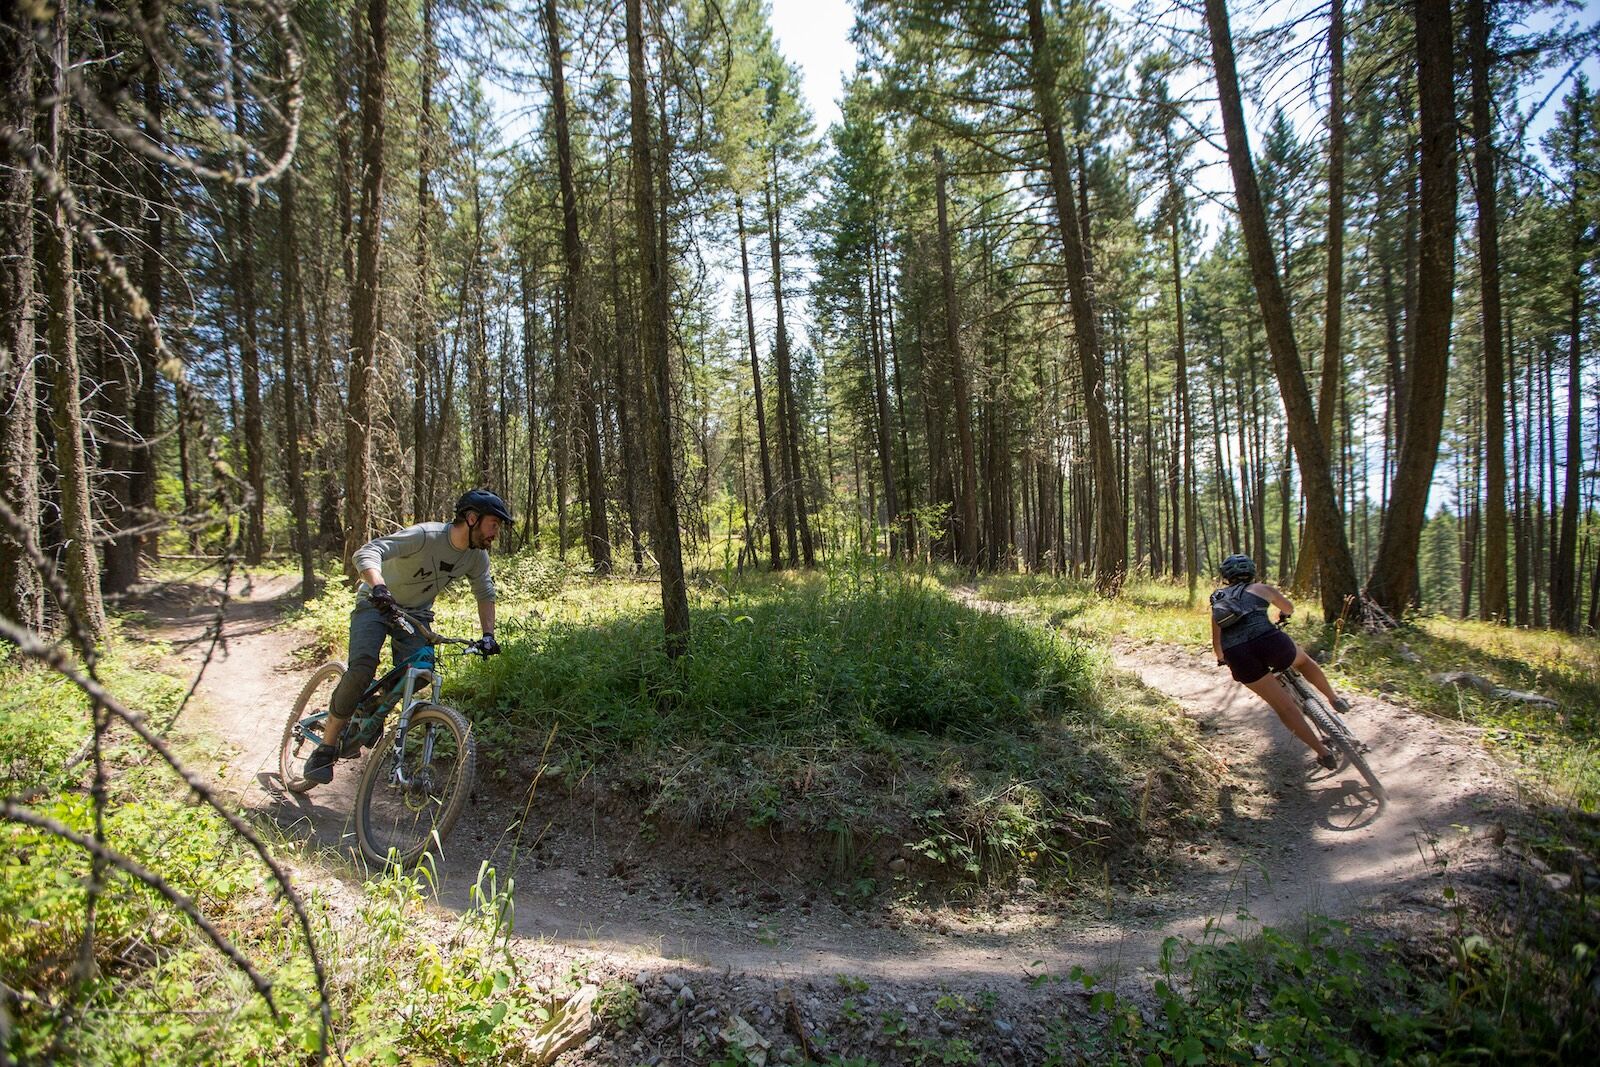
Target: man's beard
(476, 539)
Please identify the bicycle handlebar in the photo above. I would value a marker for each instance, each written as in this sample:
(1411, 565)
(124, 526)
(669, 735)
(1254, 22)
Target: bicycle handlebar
(412, 625)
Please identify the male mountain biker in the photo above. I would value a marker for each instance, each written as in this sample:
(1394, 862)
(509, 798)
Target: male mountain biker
(407, 570)
(1251, 646)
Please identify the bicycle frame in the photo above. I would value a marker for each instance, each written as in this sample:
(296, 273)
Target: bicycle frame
(1327, 722)
(418, 672)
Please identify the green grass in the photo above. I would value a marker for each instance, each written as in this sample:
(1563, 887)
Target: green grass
(1489, 992)
(1145, 610)
(402, 991)
(1557, 751)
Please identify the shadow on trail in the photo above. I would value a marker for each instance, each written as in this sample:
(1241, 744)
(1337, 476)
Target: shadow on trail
(1309, 840)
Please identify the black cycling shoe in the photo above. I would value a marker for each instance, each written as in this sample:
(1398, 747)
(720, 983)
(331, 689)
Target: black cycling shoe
(1341, 705)
(1327, 761)
(319, 765)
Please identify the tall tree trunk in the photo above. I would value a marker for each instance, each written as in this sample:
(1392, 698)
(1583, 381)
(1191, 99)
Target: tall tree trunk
(147, 398)
(1333, 319)
(364, 308)
(422, 305)
(789, 408)
(967, 484)
(1336, 568)
(255, 453)
(577, 335)
(21, 587)
(654, 326)
(1110, 530)
(289, 278)
(561, 426)
(1191, 555)
(1394, 572)
(769, 503)
(1564, 576)
(880, 388)
(1494, 601)
(908, 506)
(1521, 485)
(528, 290)
(66, 407)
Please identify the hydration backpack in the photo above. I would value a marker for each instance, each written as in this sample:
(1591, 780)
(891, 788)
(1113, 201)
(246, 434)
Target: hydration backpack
(1232, 603)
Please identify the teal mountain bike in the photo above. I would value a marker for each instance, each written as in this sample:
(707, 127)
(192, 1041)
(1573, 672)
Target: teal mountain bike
(416, 781)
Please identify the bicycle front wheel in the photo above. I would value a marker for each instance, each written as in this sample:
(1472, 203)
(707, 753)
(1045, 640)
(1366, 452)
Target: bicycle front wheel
(411, 794)
(1333, 728)
(303, 732)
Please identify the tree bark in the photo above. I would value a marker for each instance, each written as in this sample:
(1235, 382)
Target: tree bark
(1333, 319)
(1494, 602)
(1564, 576)
(422, 323)
(789, 408)
(1191, 554)
(21, 587)
(769, 503)
(364, 307)
(880, 388)
(255, 455)
(967, 485)
(289, 278)
(66, 407)
(654, 327)
(577, 335)
(1336, 568)
(1110, 530)
(147, 401)
(1393, 576)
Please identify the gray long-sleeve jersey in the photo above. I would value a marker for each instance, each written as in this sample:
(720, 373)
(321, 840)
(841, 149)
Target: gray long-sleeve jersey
(419, 561)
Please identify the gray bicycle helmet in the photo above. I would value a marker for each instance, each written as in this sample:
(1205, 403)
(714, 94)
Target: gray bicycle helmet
(1237, 568)
(484, 503)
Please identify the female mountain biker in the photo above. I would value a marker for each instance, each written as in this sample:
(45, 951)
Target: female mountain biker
(1251, 646)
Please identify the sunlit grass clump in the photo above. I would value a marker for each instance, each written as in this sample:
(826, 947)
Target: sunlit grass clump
(791, 662)
(1558, 749)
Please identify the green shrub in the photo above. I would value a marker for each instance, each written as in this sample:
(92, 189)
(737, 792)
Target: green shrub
(859, 702)
(1328, 995)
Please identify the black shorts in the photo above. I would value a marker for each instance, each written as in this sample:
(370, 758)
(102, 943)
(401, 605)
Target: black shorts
(1252, 660)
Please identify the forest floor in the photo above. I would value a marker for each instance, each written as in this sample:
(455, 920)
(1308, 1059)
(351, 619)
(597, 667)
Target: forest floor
(883, 974)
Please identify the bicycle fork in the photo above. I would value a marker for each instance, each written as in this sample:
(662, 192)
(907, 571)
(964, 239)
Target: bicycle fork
(418, 680)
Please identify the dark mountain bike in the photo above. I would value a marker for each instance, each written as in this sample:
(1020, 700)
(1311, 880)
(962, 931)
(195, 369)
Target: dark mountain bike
(415, 784)
(1335, 734)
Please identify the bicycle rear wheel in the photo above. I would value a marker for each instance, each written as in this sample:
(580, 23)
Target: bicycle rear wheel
(406, 805)
(1333, 728)
(303, 731)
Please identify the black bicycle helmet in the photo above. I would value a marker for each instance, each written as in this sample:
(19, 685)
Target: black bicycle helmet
(1238, 568)
(484, 503)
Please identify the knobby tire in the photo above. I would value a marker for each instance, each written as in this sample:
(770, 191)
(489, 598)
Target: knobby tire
(292, 751)
(1334, 729)
(379, 802)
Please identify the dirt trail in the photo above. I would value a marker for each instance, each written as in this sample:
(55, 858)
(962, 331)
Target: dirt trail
(1316, 840)
(1288, 841)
